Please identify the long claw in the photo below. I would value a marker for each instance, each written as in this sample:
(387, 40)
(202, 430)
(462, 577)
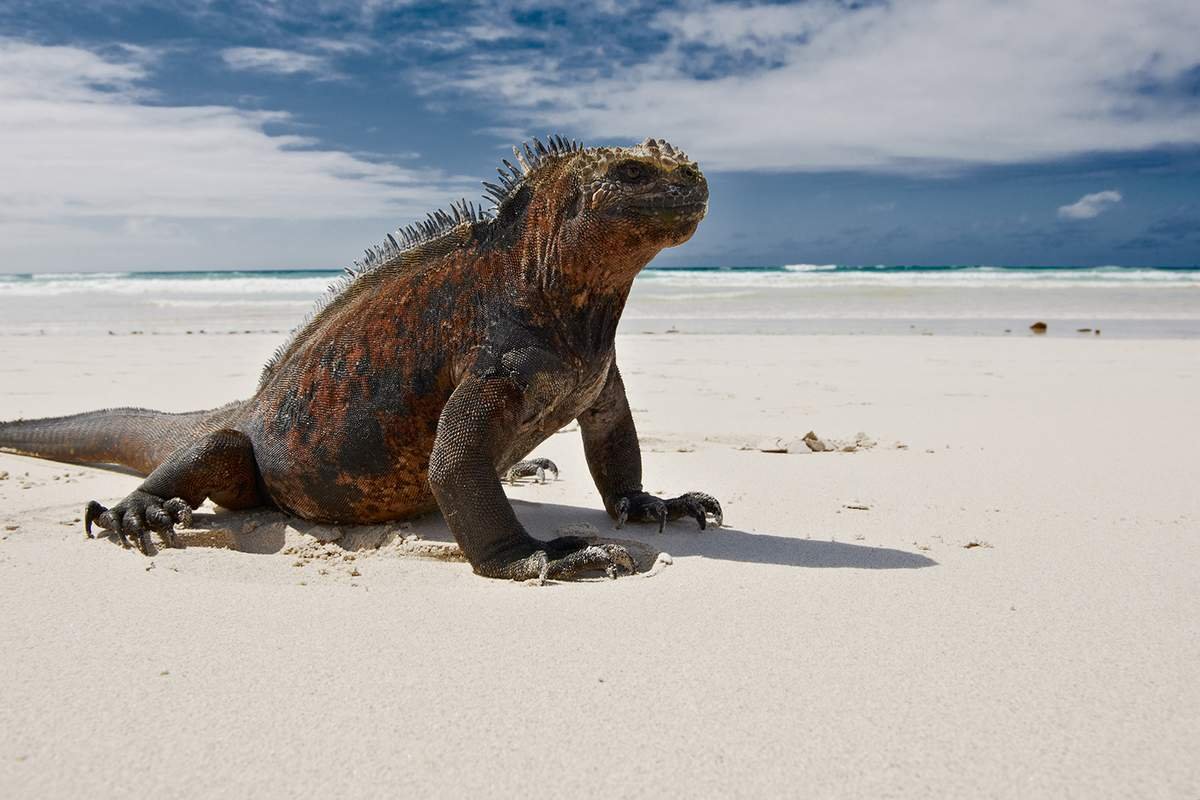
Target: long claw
(114, 524)
(180, 510)
(613, 559)
(93, 510)
(137, 517)
(158, 519)
(533, 467)
(711, 506)
(134, 528)
(644, 507)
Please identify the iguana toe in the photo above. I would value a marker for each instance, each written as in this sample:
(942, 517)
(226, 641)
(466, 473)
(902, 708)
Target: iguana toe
(697, 505)
(136, 517)
(644, 507)
(565, 558)
(534, 467)
(611, 559)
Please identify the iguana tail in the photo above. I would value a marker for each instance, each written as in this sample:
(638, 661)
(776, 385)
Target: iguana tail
(136, 438)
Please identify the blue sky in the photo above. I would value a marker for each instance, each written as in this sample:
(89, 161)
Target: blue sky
(177, 135)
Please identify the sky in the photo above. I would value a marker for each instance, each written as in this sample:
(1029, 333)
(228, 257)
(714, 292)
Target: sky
(275, 134)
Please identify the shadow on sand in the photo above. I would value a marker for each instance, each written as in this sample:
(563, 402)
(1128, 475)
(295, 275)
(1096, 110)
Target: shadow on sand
(266, 532)
(683, 538)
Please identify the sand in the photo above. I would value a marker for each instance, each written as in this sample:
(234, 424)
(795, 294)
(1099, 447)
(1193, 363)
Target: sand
(998, 599)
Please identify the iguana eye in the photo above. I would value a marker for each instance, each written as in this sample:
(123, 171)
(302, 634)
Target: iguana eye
(631, 172)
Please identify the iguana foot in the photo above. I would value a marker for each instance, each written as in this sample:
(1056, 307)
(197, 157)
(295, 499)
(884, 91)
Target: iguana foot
(534, 466)
(136, 516)
(644, 507)
(567, 557)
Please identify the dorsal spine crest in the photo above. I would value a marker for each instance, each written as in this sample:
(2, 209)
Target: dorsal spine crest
(436, 224)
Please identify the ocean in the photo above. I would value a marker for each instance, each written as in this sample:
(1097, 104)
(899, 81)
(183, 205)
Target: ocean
(794, 298)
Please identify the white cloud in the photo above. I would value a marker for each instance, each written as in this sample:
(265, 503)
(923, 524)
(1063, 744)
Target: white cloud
(915, 85)
(278, 62)
(77, 140)
(85, 157)
(1090, 205)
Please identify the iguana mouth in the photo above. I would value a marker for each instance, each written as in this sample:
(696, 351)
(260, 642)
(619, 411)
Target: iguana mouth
(676, 205)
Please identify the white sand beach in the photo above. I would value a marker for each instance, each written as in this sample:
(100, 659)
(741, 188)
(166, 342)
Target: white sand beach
(998, 599)
(911, 288)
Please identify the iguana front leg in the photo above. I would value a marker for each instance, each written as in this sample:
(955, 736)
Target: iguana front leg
(476, 425)
(615, 459)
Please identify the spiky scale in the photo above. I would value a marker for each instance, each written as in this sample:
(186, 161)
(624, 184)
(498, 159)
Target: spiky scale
(525, 168)
(419, 232)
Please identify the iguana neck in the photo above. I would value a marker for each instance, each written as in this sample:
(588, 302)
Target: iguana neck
(586, 299)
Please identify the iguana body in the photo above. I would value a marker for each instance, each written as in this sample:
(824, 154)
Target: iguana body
(443, 360)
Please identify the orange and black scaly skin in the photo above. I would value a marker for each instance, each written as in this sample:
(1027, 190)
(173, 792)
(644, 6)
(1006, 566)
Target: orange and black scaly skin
(434, 370)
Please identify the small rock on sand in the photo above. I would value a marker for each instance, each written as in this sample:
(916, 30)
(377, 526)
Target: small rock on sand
(811, 443)
(815, 443)
(1039, 327)
(861, 442)
(3, 475)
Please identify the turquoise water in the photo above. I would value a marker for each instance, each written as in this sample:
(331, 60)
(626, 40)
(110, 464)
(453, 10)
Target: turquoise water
(795, 273)
(793, 298)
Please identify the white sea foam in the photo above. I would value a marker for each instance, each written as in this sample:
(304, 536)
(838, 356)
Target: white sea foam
(189, 285)
(300, 285)
(771, 297)
(814, 276)
(810, 267)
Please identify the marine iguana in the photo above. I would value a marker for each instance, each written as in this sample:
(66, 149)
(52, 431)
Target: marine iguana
(430, 369)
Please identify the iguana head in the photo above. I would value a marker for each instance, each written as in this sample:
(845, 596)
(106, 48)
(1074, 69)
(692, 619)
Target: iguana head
(651, 192)
(618, 205)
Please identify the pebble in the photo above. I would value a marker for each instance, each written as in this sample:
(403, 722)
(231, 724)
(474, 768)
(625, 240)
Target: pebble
(815, 443)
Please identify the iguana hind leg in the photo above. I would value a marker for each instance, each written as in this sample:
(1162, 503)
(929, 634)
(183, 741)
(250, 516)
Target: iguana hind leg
(220, 466)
